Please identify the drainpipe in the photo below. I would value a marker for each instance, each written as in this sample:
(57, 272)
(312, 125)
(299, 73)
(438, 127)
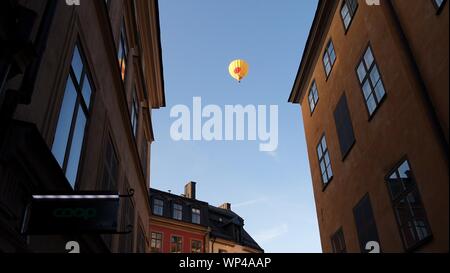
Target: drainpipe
(206, 240)
(212, 245)
(423, 91)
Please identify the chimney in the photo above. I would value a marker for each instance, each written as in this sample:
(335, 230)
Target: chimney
(189, 190)
(226, 206)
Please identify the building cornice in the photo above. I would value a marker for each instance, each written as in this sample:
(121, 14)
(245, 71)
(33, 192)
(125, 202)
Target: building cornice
(322, 20)
(178, 225)
(150, 34)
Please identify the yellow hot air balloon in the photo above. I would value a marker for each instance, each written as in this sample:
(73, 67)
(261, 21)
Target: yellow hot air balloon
(238, 69)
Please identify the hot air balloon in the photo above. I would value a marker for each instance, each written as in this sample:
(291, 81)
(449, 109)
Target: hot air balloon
(238, 69)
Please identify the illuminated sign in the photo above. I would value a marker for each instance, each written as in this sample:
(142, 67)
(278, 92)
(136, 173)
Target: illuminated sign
(72, 214)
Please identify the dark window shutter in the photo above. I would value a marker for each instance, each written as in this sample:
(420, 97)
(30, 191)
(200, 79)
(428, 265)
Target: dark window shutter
(344, 126)
(338, 242)
(365, 223)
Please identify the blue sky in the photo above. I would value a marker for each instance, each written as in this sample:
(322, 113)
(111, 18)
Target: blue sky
(271, 191)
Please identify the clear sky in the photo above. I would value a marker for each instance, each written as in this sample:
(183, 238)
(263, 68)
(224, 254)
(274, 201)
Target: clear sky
(271, 191)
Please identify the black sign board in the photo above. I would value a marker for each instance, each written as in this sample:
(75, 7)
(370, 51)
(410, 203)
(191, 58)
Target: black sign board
(71, 214)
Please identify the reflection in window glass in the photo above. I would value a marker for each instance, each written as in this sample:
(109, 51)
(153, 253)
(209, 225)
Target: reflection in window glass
(73, 115)
(370, 80)
(177, 212)
(158, 207)
(408, 207)
(324, 161)
(64, 122)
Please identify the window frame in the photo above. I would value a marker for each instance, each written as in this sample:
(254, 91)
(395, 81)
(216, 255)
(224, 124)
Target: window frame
(172, 236)
(351, 13)
(327, 53)
(339, 232)
(322, 157)
(404, 194)
(358, 234)
(123, 50)
(316, 102)
(174, 205)
(80, 104)
(134, 113)
(439, 8)
(199, 215)
(200, 244)
(161, 241)
(345, 154)
(154, 207)
(109, 144)
(367, 78)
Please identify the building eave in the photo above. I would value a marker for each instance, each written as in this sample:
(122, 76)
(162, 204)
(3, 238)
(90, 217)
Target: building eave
(148, 15)
(322, 20)
(161, 102)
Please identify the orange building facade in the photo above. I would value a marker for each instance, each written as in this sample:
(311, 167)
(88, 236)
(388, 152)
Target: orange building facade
(373, 87)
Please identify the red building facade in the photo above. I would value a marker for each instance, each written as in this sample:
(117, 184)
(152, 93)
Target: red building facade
(183, 224)
(178, 224)
(168, 236)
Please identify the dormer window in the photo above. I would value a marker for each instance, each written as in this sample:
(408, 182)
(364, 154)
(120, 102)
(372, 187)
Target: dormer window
(158, 207)
(177, 212)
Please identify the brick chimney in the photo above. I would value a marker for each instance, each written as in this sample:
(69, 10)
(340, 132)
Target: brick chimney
(189, 190)
(226, 206)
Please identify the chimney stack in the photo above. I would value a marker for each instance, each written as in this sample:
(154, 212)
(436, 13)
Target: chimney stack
(226, 206)
(189, 190)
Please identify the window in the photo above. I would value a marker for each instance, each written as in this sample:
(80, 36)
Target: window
(110, 168)
(177, 212)
(176, 244)
(338, 242)
(370, 81)
(196, 216)
(365, 223)
(344, 126)
(123, 50)
(329, 58)
(196, 246)
(158, 207)
(408, 207)
(134, 113)
(348, 10)
(156, 243)
(238, 233)
(439, 4)
(73, 116)
(109, 179)
(313, 97)
(144, 156)
(324, 161)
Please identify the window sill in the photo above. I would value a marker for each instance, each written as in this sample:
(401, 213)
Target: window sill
(325, 186)
(439, 9)
(419, 244)
(376, 110)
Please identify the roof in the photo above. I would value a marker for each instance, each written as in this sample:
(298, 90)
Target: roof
(317, 33)
(222, 222)
(221, 229)
(175, 196)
